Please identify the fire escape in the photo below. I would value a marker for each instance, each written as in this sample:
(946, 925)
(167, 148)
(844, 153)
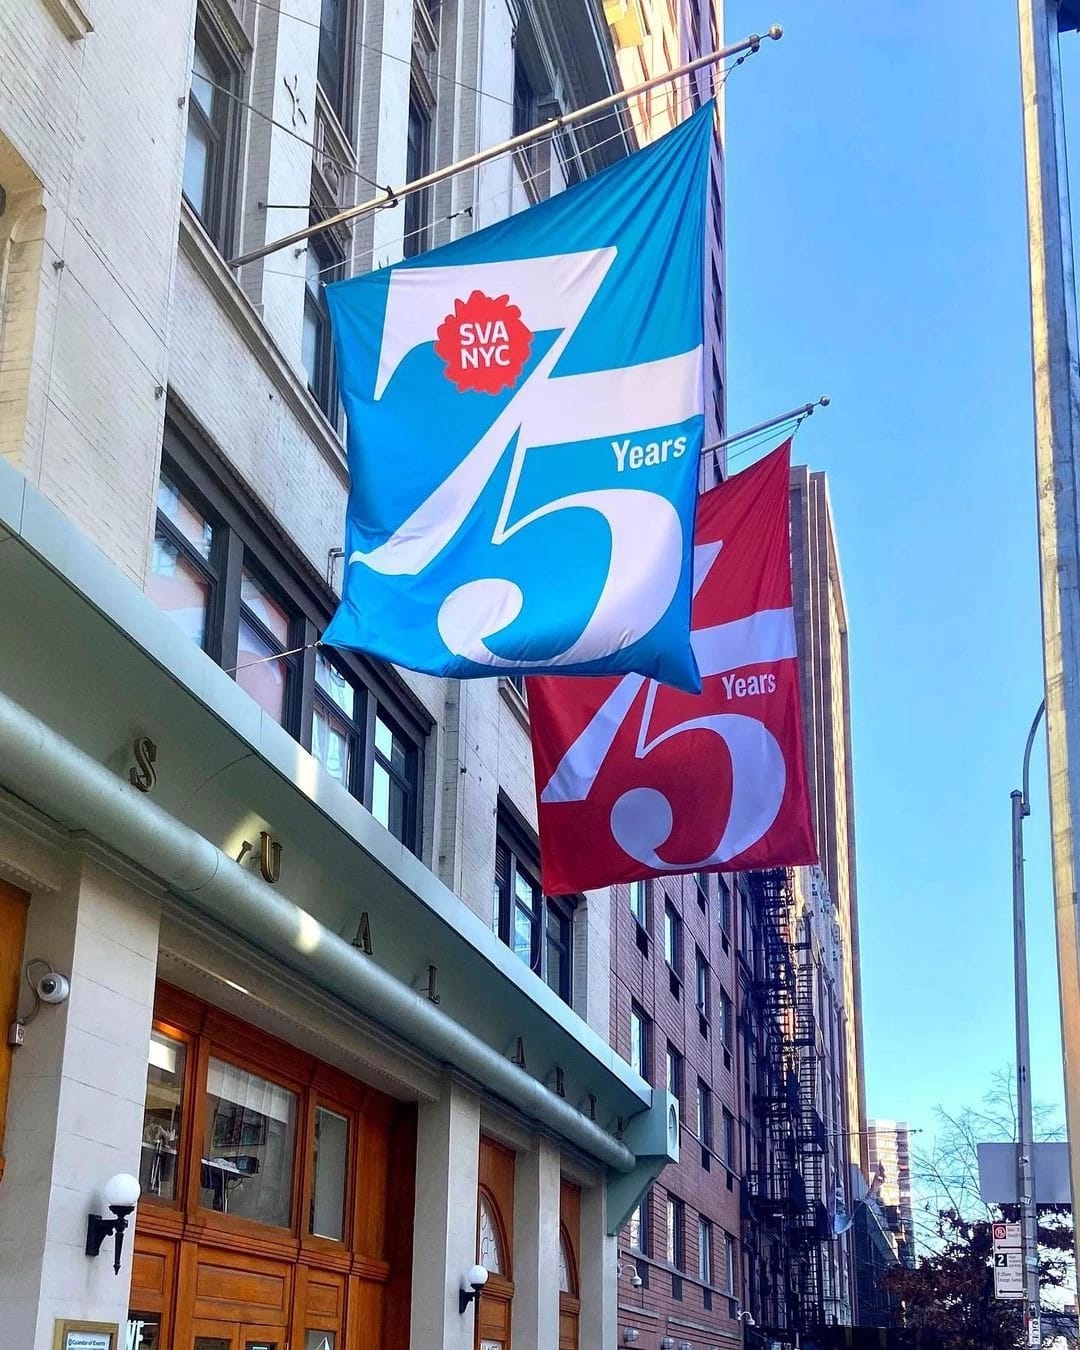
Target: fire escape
(786, 1187)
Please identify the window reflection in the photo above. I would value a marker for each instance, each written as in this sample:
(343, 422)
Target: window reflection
(161, 1116)
(328, 1165)
(248, 1148)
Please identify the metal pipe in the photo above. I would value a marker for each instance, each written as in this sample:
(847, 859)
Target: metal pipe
(807, 410)
(392, 196)
(1056, 382)
(1025, 1156)
(66, 784)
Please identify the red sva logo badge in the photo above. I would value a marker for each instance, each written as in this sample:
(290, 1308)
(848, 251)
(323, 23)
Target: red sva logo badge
(484, 343)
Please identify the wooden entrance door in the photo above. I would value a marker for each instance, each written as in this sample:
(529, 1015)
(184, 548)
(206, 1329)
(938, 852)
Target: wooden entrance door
(236, 1336)
(277, 1196)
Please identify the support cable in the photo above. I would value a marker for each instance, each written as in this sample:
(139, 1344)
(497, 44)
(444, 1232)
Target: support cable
(393, 196)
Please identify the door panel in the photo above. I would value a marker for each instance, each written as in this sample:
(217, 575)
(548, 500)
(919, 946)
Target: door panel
(215, 1336)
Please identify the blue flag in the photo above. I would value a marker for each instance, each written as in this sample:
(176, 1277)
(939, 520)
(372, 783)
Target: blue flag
(525, 414)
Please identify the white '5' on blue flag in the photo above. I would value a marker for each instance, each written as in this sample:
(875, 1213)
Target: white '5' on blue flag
(525, 412)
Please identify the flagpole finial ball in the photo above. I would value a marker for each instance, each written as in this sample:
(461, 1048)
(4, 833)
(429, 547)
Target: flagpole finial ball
(824, 400)
(776, 32)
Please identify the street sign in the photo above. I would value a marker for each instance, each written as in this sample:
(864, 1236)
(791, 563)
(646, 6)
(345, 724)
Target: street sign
(1006, 1235)
(1008, 1274)
(998, 1172)
(1034, 1330)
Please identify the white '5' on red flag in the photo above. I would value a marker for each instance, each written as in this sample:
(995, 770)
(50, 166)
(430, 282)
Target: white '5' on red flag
(635, 779)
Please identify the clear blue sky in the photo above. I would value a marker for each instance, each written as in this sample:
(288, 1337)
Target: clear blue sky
(876, 251)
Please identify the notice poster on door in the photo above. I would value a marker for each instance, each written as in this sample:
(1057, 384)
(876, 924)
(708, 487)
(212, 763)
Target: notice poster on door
(71, 1335)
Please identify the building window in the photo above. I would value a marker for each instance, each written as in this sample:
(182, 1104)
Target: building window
(183, 574)
(674, 1072)
(247, 1159)
(672, 936)
(223, 582)
(538, 928)
(394, 779)
(212, 134)
(162, 1113)
(728, 1142)
(701, 984)
(525, 101)
(729, 1264)
(324, 264)
(701, 880)
(704, 1228)
(637, 902)
(675, 1254)
(639, 1041)
(329, 1163)
(265, 659)
(724, 905)
(704, 1114)
(559, 946)
(333, 56)
(637, 1230)
(336, 737)
(727, 1019)
(417, 165)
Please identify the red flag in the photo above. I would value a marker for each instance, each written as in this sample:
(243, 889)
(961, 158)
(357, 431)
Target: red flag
(635, 779)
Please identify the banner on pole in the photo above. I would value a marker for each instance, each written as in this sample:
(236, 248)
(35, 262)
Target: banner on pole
(635, 780)
(525, 414)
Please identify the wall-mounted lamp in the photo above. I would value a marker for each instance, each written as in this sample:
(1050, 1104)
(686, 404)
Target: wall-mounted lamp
(121, 1195)
(630, 1335)
(629, 1267)
(685, 1345)
(742, 1315)
(472, 1282)
(667, 1343)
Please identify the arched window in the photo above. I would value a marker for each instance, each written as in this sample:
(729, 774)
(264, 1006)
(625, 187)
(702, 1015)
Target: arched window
(490, 1247)
(567, 1274)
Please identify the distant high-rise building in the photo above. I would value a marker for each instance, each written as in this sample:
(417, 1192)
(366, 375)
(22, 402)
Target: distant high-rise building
(888, 1144)
(822, 636)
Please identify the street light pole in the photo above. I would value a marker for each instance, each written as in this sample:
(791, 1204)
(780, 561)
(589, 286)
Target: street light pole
(1025, 1153)
(1057, 437)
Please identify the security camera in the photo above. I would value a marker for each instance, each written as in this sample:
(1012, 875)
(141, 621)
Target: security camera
(636, 1280)
(53, 988)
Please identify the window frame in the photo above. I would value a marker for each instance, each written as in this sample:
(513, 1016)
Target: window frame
(219, 222)
(410, 783)
(674, 1073)
(417, 223)
(512, 839)
(641, 1017)
(704, 1114)
(292, 702)
(322, 382)
(343, 106)
(727, 1140)
(675, 1213)
(672, 938)
(702, 993)
(705, 1244)
(642, 919)
(209, 569)
(244, 536)
(727, 1021)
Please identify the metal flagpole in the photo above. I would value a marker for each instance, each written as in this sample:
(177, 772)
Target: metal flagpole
(1025, 1155)
(1057, 433)
(391, 196)
(807, 410)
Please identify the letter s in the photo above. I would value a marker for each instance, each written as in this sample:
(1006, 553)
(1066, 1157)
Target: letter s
(468, 337)
(680, 447)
